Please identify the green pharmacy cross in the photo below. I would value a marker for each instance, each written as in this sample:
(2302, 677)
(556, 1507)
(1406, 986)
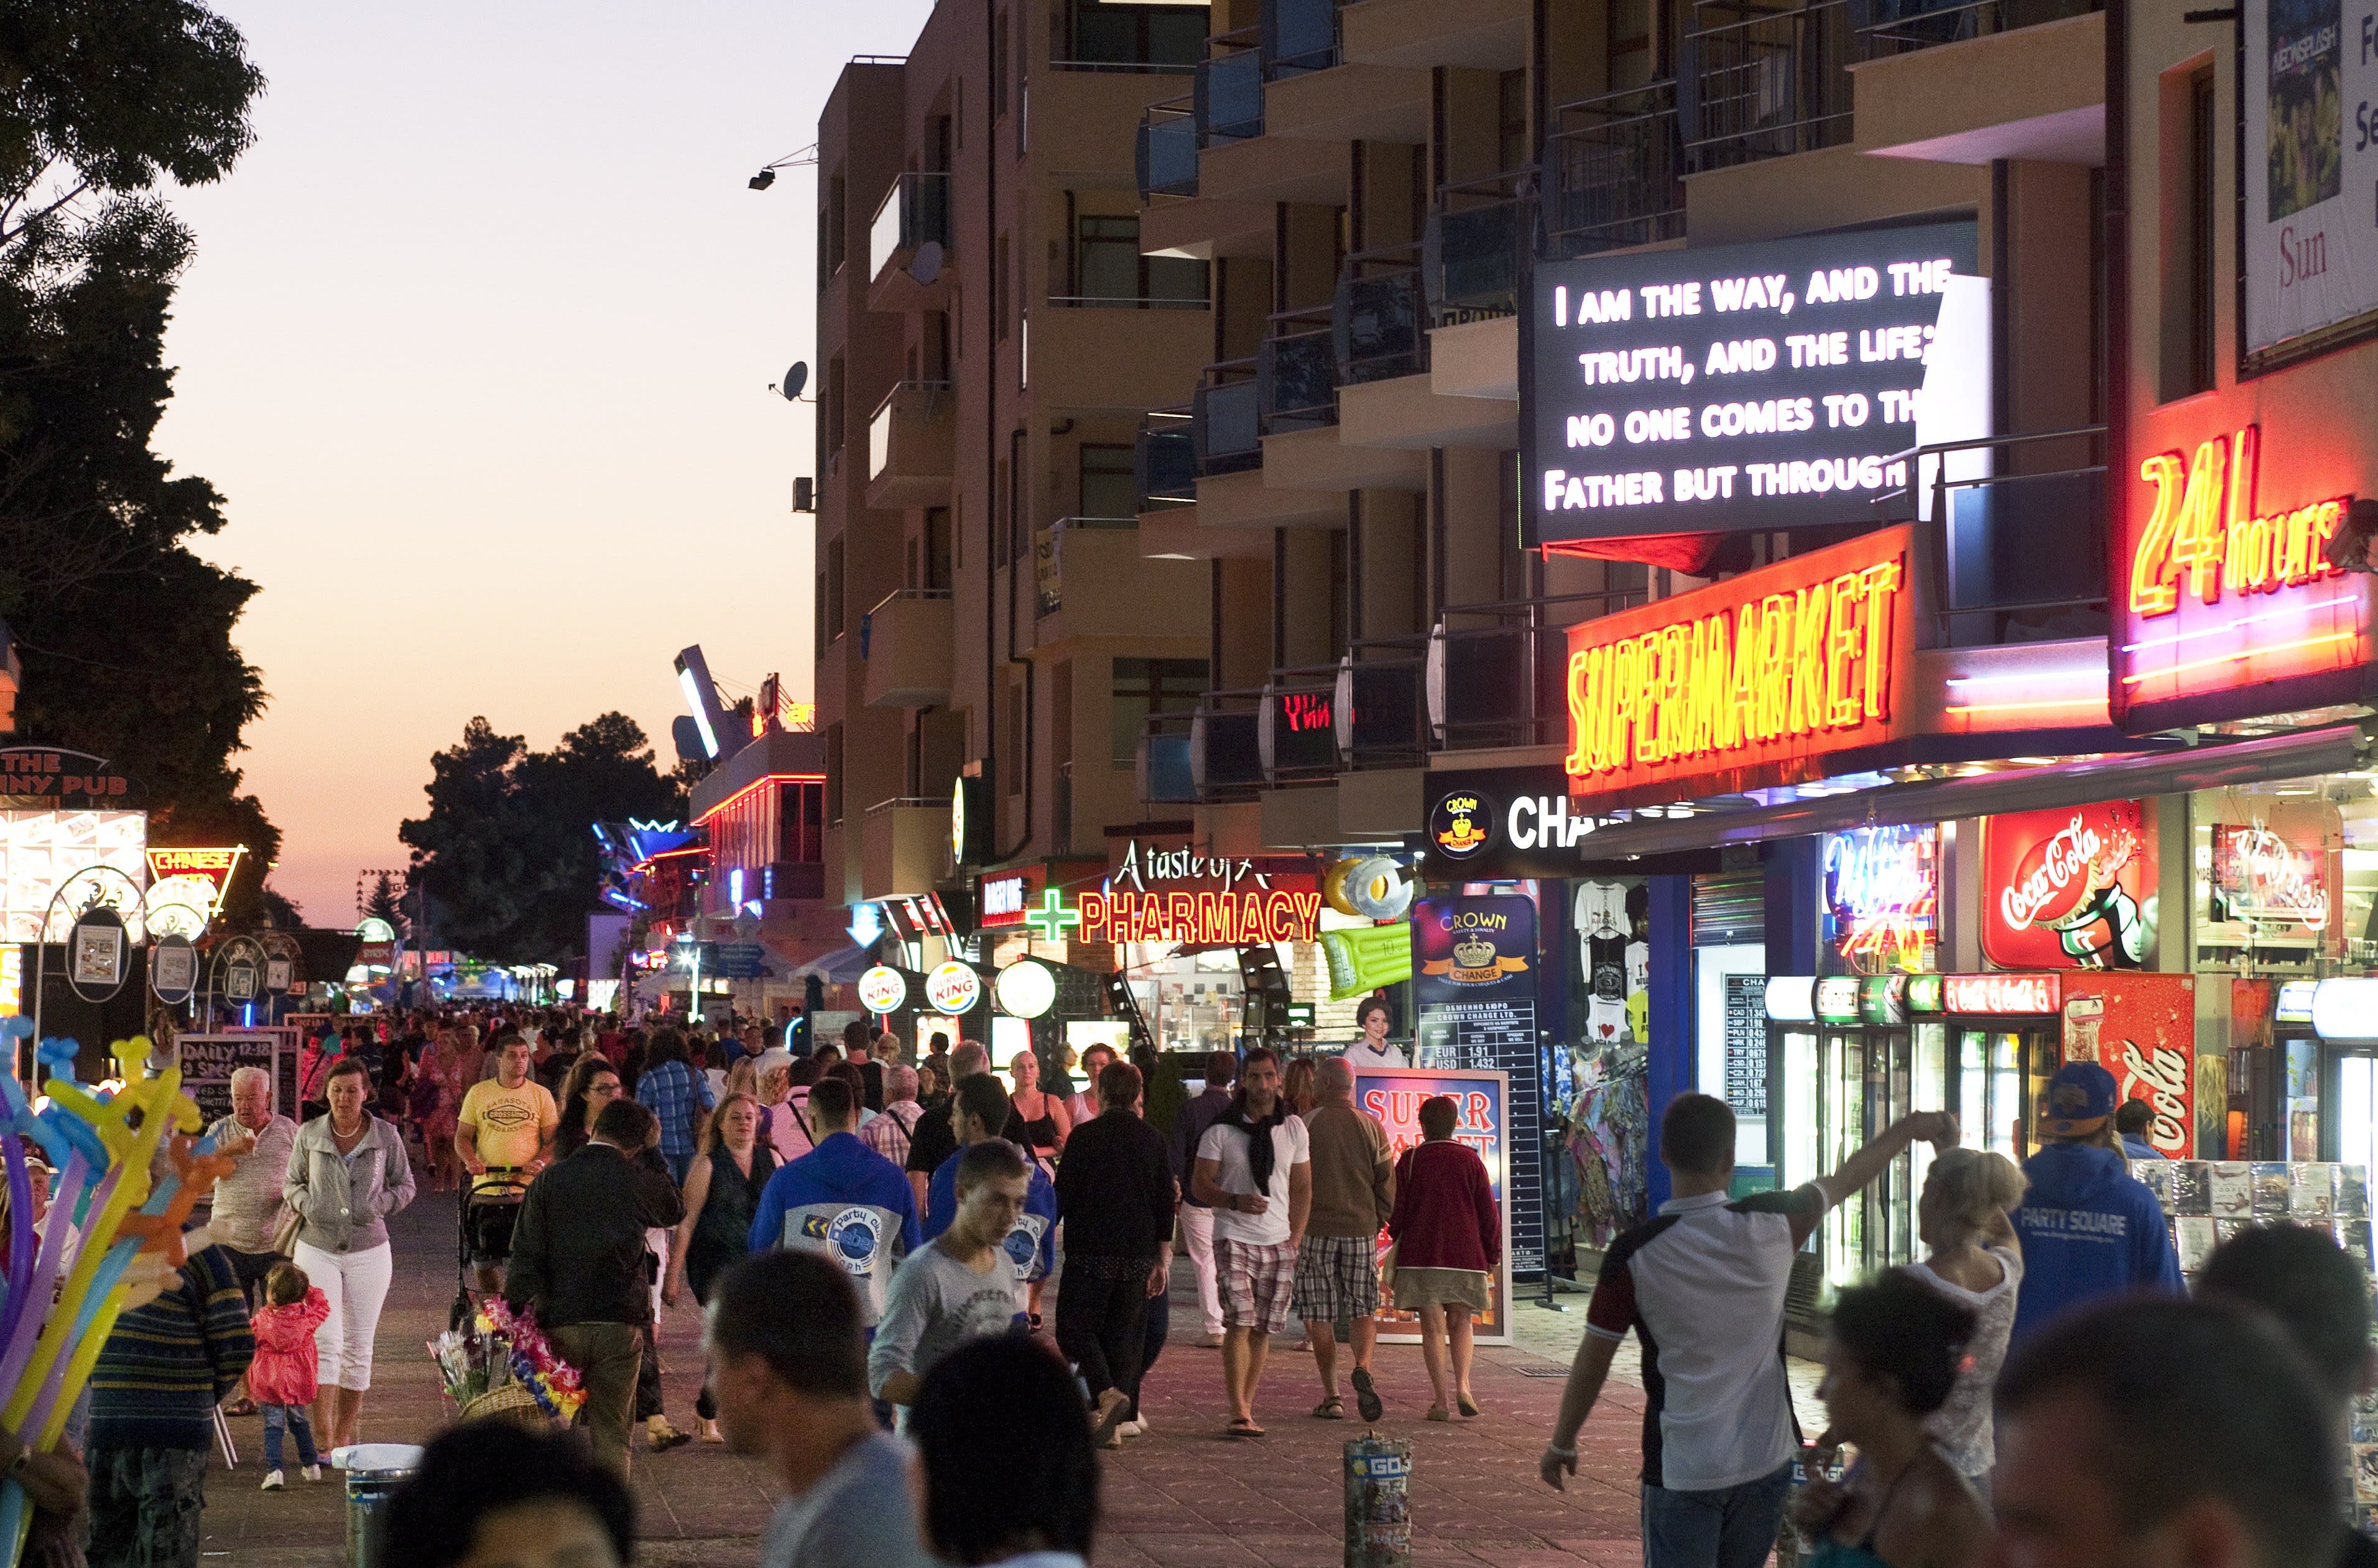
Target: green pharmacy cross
(1051, 920)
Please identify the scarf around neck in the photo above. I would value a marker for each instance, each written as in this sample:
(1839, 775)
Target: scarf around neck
(1260, 1149)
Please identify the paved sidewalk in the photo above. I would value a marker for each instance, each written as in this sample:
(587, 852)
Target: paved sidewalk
(1184, 1497)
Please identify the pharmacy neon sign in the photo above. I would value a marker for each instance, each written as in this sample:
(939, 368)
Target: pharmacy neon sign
(1203, 919)
(1759, 676)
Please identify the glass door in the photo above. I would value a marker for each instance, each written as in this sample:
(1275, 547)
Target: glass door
(1990, 1090)
(2349, 1130)
(1890, 1203)
(1844, 1117)
(1795, 1142)
(1927, 1089)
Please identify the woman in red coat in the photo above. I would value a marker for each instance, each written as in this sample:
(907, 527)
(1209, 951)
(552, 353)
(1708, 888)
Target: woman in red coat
(1449, 1239)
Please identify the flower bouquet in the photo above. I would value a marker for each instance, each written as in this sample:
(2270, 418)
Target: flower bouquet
(503, 1365)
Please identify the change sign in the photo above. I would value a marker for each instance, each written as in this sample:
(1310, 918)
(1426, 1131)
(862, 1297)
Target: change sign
(1747, 387)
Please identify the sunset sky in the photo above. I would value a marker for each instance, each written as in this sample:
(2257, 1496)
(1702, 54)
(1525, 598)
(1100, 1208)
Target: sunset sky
(477, 346)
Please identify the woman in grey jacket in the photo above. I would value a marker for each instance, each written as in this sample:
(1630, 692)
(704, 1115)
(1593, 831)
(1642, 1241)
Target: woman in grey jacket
(347, 1173)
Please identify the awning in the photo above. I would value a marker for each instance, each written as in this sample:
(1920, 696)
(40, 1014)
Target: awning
(843, 966)
(2333, 749)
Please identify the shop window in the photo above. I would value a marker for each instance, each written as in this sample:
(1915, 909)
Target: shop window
(1145, 687)
(2192, 139)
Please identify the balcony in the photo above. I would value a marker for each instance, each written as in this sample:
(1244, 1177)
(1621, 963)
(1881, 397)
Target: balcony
(1975, 83)
(1886, 28)
(1296, 373)
(1755, 82)
(1225, 421)
(1381, 699)
(1480, 35)
(2017, 531)
(1296, 730)
(915, 212)
(1297, 37)
(906, 644)
(1226, 746)
(1474, 246)
(904, 846)
(1164, 461)
(1614, 171)
(910, 447)
(1378, 320)
(1161, 762)
(1226, 101)
(1496, 673)
(1165, 155)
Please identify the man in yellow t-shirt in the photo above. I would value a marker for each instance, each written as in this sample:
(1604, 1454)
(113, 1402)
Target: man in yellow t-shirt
(502, 1133)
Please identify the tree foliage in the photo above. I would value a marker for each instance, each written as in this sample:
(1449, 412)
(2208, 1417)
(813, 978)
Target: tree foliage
(508, 850)
(125, 635)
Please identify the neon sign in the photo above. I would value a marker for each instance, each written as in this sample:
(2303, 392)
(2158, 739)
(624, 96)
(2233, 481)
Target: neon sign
(1999, 993)
(2263, 879)
(1203, 919)
(1761, 674)
(2068, 888)
(2288, 610)
(1882, 890)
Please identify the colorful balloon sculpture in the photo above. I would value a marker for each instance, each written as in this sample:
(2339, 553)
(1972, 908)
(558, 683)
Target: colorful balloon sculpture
(113, 1240)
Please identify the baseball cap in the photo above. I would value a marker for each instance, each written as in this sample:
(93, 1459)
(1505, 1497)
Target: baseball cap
(2080, 1098)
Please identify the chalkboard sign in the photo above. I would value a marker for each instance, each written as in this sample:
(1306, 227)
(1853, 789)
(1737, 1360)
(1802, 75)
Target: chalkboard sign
(1745, 1043)
(208, 1060)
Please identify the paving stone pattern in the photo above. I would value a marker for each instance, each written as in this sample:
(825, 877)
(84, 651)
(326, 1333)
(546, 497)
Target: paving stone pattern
(1184, 1497)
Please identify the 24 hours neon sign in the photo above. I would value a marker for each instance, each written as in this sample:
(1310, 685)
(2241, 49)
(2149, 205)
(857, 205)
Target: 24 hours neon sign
(2203, 535)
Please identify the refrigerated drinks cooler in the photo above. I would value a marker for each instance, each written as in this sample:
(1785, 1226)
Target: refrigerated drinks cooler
(1849, 1055)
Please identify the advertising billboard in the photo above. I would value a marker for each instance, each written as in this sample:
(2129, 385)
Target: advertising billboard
(2308, 81)
(2068, 888)
(1729, 388)
(1394, 1096)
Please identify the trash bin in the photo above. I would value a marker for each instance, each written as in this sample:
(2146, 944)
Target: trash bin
(374, 1472)
(1379, 1503)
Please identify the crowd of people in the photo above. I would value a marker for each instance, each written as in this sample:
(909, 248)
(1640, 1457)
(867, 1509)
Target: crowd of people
(868, 1237)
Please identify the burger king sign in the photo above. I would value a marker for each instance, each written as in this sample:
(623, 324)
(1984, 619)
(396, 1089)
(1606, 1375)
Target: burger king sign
(2069, 889)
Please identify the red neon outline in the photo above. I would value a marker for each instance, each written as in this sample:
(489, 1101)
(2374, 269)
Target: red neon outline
(757, 784)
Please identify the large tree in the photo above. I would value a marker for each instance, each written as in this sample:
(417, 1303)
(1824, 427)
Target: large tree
(508, 851)
(125, 634)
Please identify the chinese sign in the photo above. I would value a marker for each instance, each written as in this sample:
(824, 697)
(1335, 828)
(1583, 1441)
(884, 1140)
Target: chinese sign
(2068, 888)
(1883, 894)
(1484, 1099)
(1774, 385)
(1747, 682)
(1474, 975)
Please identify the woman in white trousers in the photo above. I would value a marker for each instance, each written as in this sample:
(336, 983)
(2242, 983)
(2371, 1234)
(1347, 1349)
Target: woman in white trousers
(347, 1174)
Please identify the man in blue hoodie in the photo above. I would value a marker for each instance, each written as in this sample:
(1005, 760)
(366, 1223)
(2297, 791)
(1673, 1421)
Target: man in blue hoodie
(978, 1111)
(2090, 1229)
(843, 1201)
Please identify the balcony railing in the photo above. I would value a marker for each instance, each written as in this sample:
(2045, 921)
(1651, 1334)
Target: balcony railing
(1378, 320)
(1298, 36)
(1162, 760)
(907, 437)
(1898, 27)
(1226, 420)
(1296, 373)
(1614, 171)
(1226, 746)
(1049, 555)
(1227, 101)
(2021, 522)
(1382, 706)
(1167, 150)
(1297, 726)
(1496, 673)
(1474, 246)
(1165, 460)
(916, 209)
(1755, 81)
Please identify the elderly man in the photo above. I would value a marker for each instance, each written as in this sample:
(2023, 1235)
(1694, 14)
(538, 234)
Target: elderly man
(248, 1207)
(1338, 1267)
(893, 1133)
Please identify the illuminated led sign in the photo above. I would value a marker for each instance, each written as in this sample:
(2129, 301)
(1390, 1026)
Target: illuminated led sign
(2346, 1008)
(2294, 1004)
(1882, 892)
(1205, 919)
(1747, 387)
(2218, 594)
(1026, 989)
(42, 850)
(1747, 682)
(1999, 993)
(953, 987)
(1791, 999)
(883, 989)
(1924, 993)
(2068, 888)
(2264, 880)
(1001, 898)
(1882, 998)
(1837, 998)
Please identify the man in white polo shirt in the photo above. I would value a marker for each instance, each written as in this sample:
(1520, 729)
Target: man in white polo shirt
(1702, 1286)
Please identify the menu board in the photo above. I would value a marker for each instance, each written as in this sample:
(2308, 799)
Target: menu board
(1474, 978)
(208, 1060)
(1745, 1043)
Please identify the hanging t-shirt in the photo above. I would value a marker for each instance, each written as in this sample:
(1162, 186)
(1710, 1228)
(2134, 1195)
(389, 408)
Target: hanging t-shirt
(1638, 1015)
(1606, 968)
(1638, 967)
(1605, 1022)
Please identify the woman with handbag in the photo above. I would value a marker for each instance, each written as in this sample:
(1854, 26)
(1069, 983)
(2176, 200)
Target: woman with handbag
(347, 1173)
(1448, 1240)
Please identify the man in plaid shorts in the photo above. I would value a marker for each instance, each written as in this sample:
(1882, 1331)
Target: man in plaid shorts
(1254, 1170)
(1338, 1267)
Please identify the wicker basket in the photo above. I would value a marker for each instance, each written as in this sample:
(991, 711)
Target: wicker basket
(512, 1402)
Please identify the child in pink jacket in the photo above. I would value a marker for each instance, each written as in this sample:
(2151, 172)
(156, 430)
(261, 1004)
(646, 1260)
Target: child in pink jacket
(282, 1377)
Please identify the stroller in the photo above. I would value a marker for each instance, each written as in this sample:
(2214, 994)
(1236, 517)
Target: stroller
(466, 1299)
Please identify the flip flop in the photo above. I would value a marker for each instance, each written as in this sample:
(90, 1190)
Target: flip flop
(1330, 1409)
(1241, 1426)
(1366, 1394)
(1439, 1413)
(1468, 1406)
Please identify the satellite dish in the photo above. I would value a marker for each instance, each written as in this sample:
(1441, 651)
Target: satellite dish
(926, 265)
(795, 379)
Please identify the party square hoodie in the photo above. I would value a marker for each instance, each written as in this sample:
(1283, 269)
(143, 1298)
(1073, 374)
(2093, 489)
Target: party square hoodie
(2090, 1230)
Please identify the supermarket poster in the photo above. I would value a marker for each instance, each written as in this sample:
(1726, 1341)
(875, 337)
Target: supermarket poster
(1393, 1095)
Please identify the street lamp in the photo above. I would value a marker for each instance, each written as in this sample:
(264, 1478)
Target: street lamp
(693, 966)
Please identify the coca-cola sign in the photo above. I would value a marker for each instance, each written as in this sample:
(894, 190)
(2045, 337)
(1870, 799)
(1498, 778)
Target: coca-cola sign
(2069, 889)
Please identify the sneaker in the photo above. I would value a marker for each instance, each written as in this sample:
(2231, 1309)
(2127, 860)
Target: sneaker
(271, 1481)
(1135, 1427)
(1107, 1415)
(313, 1472)
(1209, 1342)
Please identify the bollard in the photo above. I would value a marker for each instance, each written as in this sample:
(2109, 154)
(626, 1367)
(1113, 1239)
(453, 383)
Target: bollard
(1379, 1503)
(374, 1470)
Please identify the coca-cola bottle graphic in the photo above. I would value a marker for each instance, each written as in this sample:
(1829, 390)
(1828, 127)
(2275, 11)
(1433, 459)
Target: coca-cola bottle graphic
(2108, 931)
(2070, 882)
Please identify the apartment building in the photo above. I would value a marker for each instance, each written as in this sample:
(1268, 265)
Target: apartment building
(989, 336)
